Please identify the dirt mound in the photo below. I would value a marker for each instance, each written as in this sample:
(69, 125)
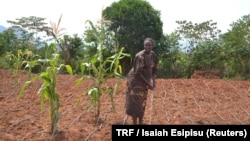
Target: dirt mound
(207, 74)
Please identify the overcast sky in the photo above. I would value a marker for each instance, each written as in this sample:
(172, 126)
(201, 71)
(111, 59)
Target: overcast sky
(76, 12)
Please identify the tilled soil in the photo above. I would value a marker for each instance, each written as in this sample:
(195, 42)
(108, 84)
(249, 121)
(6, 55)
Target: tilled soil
(174, 101)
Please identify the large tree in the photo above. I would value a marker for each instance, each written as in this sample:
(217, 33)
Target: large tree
(14, 39)
(35, 25)
(132, 21)
(237, 48)
(32, 23)
(194, 33)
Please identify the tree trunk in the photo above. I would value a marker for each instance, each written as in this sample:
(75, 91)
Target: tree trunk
(66, 55)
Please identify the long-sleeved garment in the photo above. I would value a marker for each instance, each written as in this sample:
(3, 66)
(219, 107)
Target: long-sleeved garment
(137, 89)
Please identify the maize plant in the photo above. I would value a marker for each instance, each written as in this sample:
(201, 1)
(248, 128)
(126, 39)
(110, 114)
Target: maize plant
(30, 62)
(16, 61)
(102, 67)
(23, 60)
(47, 89)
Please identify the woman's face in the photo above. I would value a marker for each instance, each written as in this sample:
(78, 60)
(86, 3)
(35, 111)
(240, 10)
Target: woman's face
(148, 46)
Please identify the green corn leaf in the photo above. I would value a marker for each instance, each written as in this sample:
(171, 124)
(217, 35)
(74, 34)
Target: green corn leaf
(59, 68)
(95, 69)
(120, 76)
(33, 63)
(79, 81)
(93, 60)
(79, 99)
(44, 92)
(43, 60)
(85, 66)
(69, 69)
(120, 69)
(45, 77)
(92, 91)
(42, 103)
(93, 94)
(26, 84)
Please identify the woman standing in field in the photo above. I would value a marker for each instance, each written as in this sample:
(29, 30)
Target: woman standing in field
(143, 71)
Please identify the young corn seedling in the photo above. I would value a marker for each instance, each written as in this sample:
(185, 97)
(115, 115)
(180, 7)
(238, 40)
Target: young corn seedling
(102, 67)
(47, 89)
(16, 61)
(22, 60)
(30, 62)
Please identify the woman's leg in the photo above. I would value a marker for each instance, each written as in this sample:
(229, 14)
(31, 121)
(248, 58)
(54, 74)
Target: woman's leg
(140, 120)
(134, 120)
(143, 102)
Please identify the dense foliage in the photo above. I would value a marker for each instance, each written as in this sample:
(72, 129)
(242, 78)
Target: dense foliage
(192, 46)
(133, 21)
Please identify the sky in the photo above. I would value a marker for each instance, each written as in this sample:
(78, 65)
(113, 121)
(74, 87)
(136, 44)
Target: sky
(76, 12)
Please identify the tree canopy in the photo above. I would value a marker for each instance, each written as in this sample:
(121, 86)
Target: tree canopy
(132, 22)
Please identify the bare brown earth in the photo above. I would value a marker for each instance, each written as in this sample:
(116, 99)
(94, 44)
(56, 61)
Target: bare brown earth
(174, 101)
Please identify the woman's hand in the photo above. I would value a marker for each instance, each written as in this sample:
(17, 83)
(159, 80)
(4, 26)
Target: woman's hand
(151, 87)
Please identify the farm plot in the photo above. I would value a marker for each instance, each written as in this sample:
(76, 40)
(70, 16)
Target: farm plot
(174, 101)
